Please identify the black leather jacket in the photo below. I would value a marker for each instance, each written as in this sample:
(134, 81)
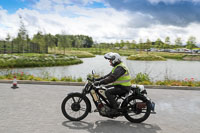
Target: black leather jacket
(111, 77)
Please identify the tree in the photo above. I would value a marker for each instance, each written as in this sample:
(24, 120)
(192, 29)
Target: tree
(141, 44)
(49, 42)
(122, 43)
(117, 44)
(167, 40)
(158, 43)
(140, 41)
(28, 40)
(6, 45)
(133, 44)
(68, 42)
(22, 34)
(128, 44)
(148, 45)
(79, 43)
(62, 42)
(8, 38)
(40, 42)
(52, 41)
(191, 43)
(178, 41)
(89, 42)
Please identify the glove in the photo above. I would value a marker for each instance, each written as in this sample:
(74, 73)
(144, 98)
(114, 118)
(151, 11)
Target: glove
(97, 83)
(98, 79)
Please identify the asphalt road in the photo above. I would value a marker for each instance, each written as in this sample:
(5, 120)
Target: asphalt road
(36, 109)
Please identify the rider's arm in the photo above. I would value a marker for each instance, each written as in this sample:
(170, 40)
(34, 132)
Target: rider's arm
(98, 79)
(119, 71)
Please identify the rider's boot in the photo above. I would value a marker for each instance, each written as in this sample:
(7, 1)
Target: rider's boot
(114, 112)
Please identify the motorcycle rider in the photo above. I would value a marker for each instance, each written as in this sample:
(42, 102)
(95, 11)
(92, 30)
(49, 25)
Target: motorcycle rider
(119, 77)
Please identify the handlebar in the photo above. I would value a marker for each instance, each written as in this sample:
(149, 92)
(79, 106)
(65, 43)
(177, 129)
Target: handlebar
(92, 80)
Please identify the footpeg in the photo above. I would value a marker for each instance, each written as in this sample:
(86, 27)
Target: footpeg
(96, 110)
(153, 112)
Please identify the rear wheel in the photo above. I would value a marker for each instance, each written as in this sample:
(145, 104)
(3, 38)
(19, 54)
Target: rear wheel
(139, 109)
(75, 107)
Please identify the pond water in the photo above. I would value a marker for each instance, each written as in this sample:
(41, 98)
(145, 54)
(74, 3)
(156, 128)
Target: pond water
(157, 70)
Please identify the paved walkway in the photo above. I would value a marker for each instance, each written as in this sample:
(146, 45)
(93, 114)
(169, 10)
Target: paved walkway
(36, 109)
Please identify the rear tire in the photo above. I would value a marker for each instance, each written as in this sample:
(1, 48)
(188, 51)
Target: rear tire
(75, 107)
(133, 110)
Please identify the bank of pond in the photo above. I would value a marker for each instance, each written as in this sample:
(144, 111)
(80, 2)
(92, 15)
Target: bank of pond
(73, 57)
(22, 61)
(36, 60)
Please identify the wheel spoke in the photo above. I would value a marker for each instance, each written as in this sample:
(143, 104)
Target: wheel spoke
(80, 100)
(74, 99)
(83, 109)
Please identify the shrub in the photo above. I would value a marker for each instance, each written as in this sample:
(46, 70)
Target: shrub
(54, 79)
(79, 79)
(140, 77)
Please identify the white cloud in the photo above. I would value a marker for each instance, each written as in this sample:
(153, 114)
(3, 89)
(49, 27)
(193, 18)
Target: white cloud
(48, 4)
(43, 5)
(103, 24)
(161, 31)
(7, 23)
(170, 1)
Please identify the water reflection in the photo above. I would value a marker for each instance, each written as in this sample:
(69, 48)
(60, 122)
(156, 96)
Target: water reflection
(158, 70)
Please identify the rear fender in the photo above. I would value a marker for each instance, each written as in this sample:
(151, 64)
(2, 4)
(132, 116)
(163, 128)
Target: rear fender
(130, 97)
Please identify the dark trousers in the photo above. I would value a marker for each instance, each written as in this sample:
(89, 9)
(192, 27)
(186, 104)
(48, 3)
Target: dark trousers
(111, 93)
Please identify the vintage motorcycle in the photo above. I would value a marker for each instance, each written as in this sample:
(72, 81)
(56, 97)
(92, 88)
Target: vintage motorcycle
(135, 106)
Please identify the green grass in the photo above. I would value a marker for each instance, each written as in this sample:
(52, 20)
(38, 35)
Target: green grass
(80, 54)
(91, 52)
(178, 83)
(169, 83)
(23, 76)
(98, 51)
(128, 52)
(141, 78)
(36, 60)
(144, 79)
(70, 52)
(146, 57)
(178, 56)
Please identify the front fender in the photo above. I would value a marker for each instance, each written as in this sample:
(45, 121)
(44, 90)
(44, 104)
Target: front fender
(84, 97)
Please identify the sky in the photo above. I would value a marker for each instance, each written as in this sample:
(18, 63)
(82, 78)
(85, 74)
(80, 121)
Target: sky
(104, 20)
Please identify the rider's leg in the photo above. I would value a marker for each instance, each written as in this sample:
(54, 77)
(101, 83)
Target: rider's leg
(111, 93)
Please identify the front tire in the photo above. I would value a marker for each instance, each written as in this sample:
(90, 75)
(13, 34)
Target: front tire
(75, 107)
(139, 109)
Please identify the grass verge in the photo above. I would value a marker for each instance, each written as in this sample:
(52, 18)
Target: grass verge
(140, 78)
(23, 76)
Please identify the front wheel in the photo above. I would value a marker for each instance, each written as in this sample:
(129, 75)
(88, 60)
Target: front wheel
(75, 107)
(138, 109)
